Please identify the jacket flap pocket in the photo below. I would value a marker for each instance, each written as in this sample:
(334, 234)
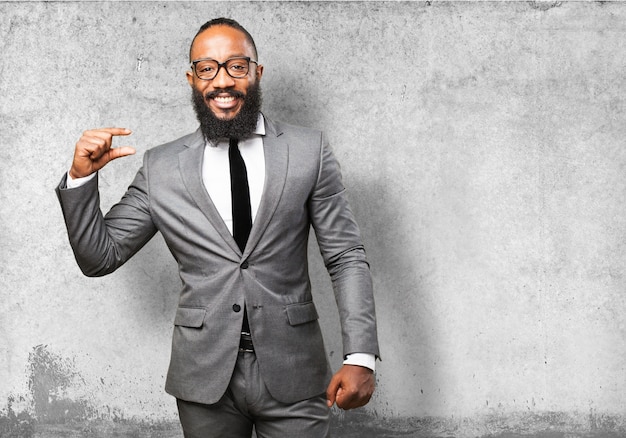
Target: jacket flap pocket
(190, 316)
(301, 312)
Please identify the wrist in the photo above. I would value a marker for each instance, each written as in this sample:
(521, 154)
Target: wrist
(72, 173)
(75, 182)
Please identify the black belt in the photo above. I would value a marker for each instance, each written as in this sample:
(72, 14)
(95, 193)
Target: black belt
(245, 343)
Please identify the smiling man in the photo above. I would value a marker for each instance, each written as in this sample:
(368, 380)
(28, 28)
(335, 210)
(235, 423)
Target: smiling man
(234, 202)
(227, 105)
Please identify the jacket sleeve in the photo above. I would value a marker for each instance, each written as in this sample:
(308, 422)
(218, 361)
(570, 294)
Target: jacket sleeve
(101, 244)
(341, 247)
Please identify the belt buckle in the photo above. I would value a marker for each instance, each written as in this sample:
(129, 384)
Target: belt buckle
(245, 343)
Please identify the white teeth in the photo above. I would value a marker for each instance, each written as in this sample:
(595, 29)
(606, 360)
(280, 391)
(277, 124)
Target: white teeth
(224, 99)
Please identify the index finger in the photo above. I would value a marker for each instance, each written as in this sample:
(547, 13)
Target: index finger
(331, 391)
(115, 131)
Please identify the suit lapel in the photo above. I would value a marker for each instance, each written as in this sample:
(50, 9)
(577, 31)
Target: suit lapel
(190, 162)
(276, 152)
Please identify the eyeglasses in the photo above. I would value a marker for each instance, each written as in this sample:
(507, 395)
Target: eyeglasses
(208, 69)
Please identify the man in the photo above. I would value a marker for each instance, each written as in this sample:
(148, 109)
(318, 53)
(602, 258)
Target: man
(234, 202)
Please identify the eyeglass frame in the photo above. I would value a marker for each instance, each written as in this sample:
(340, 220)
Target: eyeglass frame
(220, 65)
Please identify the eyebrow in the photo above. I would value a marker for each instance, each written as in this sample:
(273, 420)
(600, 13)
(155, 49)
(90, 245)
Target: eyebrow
(252, 58)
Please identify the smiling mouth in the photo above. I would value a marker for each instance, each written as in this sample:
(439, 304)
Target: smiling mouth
(224, 99)
(224, 95)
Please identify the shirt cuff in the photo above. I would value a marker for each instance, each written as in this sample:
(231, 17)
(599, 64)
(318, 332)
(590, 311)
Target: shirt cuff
(72, 183)
(366, 360)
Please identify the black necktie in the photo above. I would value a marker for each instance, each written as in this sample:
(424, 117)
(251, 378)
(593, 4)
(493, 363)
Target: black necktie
(242, 213)
(240, 195)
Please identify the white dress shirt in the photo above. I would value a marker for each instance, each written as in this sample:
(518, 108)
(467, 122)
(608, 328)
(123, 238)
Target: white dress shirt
(216, 179)
(216, 172)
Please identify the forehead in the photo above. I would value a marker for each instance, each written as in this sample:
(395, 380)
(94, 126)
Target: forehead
(220, 43)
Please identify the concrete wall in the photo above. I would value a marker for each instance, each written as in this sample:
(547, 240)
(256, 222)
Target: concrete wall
(483, 148)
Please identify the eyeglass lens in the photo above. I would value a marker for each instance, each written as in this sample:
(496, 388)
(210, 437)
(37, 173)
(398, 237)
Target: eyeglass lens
(236, 68)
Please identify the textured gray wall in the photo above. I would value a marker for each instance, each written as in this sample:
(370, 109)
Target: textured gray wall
(483, 148)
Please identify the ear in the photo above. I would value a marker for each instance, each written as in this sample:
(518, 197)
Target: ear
(259, 72)
(190, 78)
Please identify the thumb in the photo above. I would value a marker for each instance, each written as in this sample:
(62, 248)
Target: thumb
(120, 152)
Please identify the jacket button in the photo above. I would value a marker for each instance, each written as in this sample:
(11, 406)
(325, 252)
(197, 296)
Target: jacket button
(244, 265)
(236, 307)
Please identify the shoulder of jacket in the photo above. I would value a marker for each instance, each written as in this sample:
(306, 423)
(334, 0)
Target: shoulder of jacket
(287, 128)
(170, 148)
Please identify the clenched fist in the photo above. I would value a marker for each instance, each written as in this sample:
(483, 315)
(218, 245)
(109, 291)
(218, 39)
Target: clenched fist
(351, 387)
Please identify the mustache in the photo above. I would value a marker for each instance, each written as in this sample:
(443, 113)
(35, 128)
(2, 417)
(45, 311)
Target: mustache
(233, 93)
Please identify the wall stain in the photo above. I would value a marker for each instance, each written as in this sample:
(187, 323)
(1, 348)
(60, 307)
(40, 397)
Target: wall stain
(15, 425)
(51, 412)
(544, 5)
(50, 378)
(360, 423)
(140, 59)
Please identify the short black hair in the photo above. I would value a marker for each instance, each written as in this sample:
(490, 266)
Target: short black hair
(225, 22)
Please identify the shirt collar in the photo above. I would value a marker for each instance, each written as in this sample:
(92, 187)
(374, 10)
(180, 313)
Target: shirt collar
(260, 125)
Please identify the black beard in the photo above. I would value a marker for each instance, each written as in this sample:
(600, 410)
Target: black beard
(241, 126)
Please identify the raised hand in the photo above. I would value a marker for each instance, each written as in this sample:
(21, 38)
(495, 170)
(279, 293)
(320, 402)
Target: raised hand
(93, 151)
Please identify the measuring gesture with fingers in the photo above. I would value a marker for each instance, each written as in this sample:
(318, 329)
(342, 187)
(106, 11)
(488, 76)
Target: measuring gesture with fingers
(93, 151)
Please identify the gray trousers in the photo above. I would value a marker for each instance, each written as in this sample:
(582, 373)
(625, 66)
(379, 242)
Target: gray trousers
(247, 404)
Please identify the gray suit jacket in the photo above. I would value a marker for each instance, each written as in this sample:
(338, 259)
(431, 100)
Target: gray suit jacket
(303, 188)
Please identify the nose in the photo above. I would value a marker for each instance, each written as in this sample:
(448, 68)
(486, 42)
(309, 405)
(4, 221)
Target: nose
(222, 79)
